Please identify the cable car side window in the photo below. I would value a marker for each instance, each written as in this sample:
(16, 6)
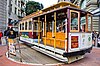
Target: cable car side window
(22, 26)
(25, 25)
(30, 25)
(89, 23)
(83, 22)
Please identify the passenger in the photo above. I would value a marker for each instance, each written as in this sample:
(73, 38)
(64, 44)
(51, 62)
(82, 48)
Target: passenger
(74, 28)
(6, 34)
(83, 28)
(60, 28)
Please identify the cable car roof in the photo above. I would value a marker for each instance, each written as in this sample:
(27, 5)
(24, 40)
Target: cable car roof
(55, 7)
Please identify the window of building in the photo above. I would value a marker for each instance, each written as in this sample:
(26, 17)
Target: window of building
(18, 12)
(10, 9)
(15, 10)
(16, 2)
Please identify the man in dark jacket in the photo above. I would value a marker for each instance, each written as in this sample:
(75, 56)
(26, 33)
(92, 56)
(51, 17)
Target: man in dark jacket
(11, 34)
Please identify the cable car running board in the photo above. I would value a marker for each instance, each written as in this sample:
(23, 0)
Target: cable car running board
(51, 54)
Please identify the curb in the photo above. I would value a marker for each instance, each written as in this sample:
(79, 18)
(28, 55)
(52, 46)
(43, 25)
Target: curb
(31, 63)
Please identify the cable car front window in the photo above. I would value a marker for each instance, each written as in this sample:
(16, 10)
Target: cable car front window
(74, 21)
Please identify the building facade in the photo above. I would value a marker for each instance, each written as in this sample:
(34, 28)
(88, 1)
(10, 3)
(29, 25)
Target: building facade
(96, 12)
(3, 14)
(15, 11)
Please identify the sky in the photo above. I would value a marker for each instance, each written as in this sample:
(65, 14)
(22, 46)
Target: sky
(47, 3)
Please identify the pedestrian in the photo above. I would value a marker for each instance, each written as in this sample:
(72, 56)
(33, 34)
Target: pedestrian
(1, 34)
(11, 35)
(6, 32)
(11, 41)
(93, 38)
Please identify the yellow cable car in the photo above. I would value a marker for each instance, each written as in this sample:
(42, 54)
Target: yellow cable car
(62, 31)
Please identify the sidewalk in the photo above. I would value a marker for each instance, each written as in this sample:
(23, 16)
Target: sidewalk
(29, 57)
(4, 61)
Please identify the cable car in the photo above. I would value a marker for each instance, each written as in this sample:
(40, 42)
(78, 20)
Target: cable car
(62, 31)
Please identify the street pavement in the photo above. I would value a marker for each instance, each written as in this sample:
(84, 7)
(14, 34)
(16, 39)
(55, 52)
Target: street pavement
(91, 59)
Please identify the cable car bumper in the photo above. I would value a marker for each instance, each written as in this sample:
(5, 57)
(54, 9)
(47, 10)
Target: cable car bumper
(81, 52)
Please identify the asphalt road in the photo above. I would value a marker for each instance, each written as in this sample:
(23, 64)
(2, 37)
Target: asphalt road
(91, 59)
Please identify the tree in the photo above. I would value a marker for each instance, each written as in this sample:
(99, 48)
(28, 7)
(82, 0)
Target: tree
(33, 6)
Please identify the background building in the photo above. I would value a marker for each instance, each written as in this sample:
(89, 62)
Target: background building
(15, 11)
(3, 14)
(96, 12)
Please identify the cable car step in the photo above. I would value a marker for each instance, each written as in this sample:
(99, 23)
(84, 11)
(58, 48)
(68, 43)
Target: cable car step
(51, 54)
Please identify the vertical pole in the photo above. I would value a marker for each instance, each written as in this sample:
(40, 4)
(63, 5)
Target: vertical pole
(68, 29)
(66, 34)
(38, 30)
(86, 27)
(91, 24)
(28, 25)
(7, 45)
(19, 44)
(99, 23)
(45, 30)
(19, 49)
(54, 30)
(32, 27)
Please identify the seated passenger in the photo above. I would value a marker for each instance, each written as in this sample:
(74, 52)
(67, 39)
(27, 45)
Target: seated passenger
(61, 28)
(83, 28)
